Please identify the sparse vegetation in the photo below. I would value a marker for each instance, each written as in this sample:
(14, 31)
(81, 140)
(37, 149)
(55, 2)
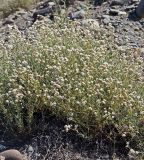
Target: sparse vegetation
(73, 73)
(10, 6)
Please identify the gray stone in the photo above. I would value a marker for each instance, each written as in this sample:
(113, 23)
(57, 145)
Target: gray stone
(21, 23)
(40, 17)
(125, 29)
(80, 5)
(106, 19)
(114, 7)
(131, 7)
(8, 20)
(122, 13)
(91, 24)
(51, 4)
(106, 16)
(2, 147)
(30, 150)
(77, 15)
(114, 12)
(21, 12)
(136, 28)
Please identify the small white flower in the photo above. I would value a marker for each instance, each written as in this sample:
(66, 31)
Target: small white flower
(124, 135)
(29, 92)
(132, 152)
(113, 117)
(142, 112)
(20, 87)
(24, 62)
(67, 127)
(90, 108)
(127, 144)
(14, 91)
(48, 97)
(7, 101)
(53, 104)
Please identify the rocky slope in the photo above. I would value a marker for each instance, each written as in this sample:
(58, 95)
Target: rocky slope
(117, 16)
(114, 16)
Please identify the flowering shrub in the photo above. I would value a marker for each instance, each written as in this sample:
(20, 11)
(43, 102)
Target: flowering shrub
(72, 72)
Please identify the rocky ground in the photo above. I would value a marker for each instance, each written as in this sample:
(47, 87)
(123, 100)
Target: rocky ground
(115, 16)
(51, 141)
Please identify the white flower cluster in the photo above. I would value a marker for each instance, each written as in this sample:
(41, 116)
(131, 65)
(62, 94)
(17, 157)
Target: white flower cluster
(64, 69)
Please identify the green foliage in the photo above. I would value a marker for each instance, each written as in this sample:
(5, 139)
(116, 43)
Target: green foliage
(73, 73)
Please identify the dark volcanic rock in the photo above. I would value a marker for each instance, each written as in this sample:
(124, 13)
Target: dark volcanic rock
(113, 12)
(140, 9)
(118, 2)
(43, 12)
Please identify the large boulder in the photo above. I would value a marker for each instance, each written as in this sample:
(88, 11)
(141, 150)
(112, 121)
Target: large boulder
(11, 154)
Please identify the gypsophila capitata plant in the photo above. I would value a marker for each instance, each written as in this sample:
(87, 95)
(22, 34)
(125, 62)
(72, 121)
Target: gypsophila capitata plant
(73, 72)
